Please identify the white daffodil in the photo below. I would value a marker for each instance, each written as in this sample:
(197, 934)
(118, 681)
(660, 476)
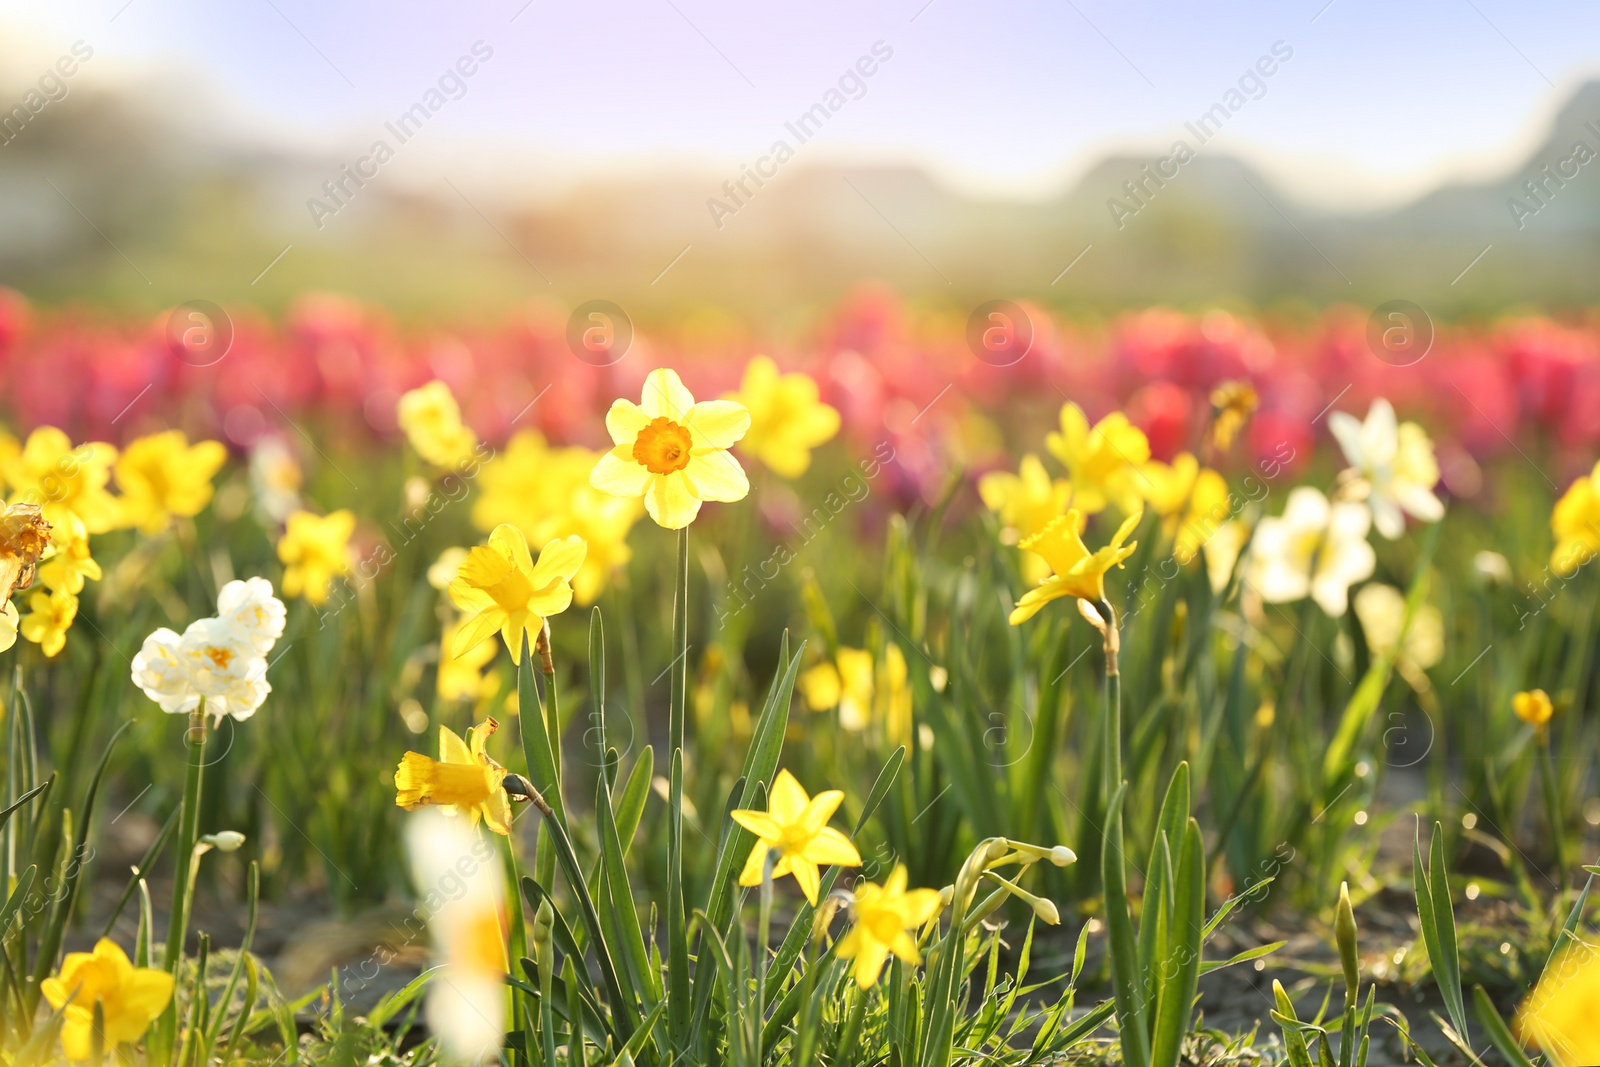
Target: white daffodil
(1314, 548)
(251, 609)
(1396, 465)
(163, 675)
(224, 668)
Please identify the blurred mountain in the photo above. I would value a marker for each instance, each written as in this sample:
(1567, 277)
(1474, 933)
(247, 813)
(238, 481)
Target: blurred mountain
(102, 202)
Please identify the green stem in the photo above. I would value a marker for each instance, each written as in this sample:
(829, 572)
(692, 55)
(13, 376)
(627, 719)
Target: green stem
(1111, 757)
(677, 932)
(1552, 801)
(183, 877)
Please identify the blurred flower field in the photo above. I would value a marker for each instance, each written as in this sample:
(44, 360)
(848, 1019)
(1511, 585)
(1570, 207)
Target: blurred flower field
(905, 690)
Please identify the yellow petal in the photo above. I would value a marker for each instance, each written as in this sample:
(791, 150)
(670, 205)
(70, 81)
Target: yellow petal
(788, 799)
(753, 866)
(624, 421)
(670, 500)
(452, 749)
(475, 630)
(716, 475)
(509, 542)
(665, 395)
(869, 961)
(717, 423)
(619, 474)
(805, 872)
(559, 561)
(821, 809)
(758, 822)
(832, 847)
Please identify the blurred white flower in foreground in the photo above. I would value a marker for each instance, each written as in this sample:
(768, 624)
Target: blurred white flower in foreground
(463, 896)
(1396, 465)
(1314, 548)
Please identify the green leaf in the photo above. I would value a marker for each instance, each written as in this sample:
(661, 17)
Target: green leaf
(1126, 981)
(1437, 920)
(1181, 963)
(1499, 1035)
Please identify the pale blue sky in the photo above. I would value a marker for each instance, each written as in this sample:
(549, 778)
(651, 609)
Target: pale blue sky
(1012, 97)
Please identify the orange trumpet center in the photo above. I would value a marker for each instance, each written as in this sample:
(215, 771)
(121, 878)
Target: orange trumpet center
(663, 446)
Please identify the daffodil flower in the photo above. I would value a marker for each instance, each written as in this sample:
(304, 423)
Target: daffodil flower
(1534, 708)
(673, 451)
(1192, 502)
(1315, 548)
(787, 418)
(1025, 502)
(49, 618)
(1559, 1016)
(1076, 572)
(1395, 463)
(1575, 522)
(431, 420)
(25, 536)
(886, 918)
(130, 998)
(463, 779)
(795, 826)
(162, 475)
(314, 550)
(1103, 463)
(64, 480)
(501, 588)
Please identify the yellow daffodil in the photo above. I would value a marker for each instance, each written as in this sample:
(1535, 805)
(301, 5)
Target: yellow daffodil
(673, 451)
(315, 549)
(62, 479)
(1576, 524)
(130, 997)
(501, 588)
(545, 492)
(1076, 572)
(431, 419)
(1232, 404)
(24, 538)
(49, 618)
(162, 475)
(1025, 502)
(1192, 502)
(461, 677)
(795, 826)
(70, 562)
(887, 917)
(854, 684)
(787, 418)
(1559, 1016)
(1102, 463)
(463, 778)
(1534, 708)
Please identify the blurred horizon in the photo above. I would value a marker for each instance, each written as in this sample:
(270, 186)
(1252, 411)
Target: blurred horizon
(528, 152)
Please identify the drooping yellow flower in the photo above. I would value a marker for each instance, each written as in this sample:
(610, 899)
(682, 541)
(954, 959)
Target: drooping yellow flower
(431, 419)
(1192, 502)
(1559, 1016)
(545, 492)
(461, 677)
(162, 475)
(1232, 404)
(62, 479)
(70, 562)
(501, 588)
(24, 537)
(1102, 463)
(887, 917)
(1025, 502)
(1575, 522)
(463, 778)
(1076, 572)
(795, 826)
(314, 550)
(787, 418)
(49, 618)
(1534, 708)
(130, 997)
(673, 451)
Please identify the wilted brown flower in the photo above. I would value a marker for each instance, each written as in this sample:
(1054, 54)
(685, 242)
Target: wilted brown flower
(24, 536)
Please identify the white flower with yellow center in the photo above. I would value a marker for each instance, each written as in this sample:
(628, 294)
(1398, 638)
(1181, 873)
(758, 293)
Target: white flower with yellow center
(224, 668)
(1395, 463)
(1314, 548)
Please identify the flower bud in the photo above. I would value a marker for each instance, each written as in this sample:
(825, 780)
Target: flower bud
(1344, 932)
(224, 840)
